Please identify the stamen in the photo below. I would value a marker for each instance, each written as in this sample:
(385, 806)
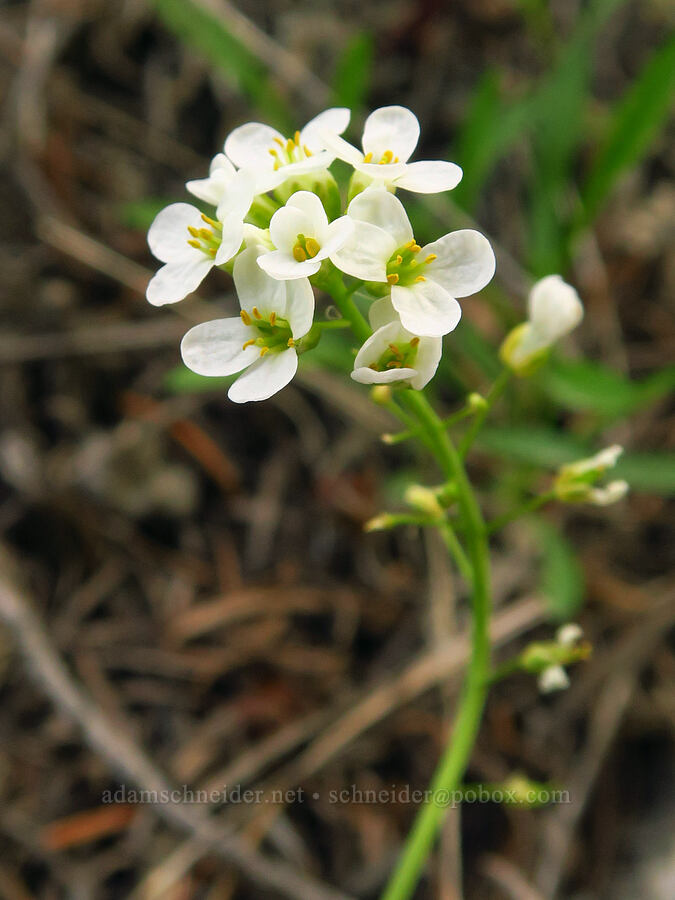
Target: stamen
(367, 158)
(205, 233)
(273, 318)
(290, 145)
(373, 366)
(387, 157)
(299, 254)
(264, 350)
(272, 152)
(399, 259)
(410, 244)
(291, 343)
(308, 152)
(296, 138)
(394, 349)
(393, 278)
(430, 258)
(412, 263)
(195, 244)
(420, 278)
(193, 231)
(245, 318)
(277, 164)
(414, 341)
(394, 364)
(248, 344)
(212, 222)
(312, 247)
(212, 252)
(278, 141)
(256, 314)
(415, 248)
(396, 159)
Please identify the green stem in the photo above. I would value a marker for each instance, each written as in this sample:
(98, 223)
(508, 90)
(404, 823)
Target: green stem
(455, 758)
(522, 510)
(494, 394)
(448, 421)
(455, 549)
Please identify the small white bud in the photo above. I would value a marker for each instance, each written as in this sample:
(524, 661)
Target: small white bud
(568, 635)
(553, 678)
(610, 493)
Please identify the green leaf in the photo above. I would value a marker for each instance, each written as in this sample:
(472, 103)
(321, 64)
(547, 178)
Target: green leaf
(649, 472)
(561, 577)
(209, 35)
(353, 72)
(637, 118)
(586, 385)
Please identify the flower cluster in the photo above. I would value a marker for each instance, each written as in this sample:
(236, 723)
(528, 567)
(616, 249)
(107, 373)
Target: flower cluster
(280, 227)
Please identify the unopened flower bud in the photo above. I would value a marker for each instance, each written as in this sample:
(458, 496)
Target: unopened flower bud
(476, 402)
(381, 394)
(424, 499)
(553, 678)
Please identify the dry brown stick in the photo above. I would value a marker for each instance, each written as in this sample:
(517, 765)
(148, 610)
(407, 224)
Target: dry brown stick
(509, 878)
(130, 762)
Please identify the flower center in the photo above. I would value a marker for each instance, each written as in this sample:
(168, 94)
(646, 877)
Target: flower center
(399, 355)
(270, 332)
(386, 158)
(290, 151)
(305, 248)
(404, 267)
(206, 239)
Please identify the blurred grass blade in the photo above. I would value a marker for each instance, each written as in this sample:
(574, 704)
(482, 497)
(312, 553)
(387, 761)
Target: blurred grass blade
(208, 35)
(561, 576)
(638, 116)
(182, 380)
(353, 72)
(587, 385)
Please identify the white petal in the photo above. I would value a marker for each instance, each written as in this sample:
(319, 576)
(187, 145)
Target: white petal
(168, 235)
(553, 678)
(265, 377)
(215, 348)
(365, 375)
(285, 226)
(465, 264)
(341, 148)
(337, 234)
(210, 189)
(232, 237)
(430, 177)
(554, 308)
(392, 128)
(332, 120)
(249, 145)
(312, 207)
(426, 362)
(377, 343)
(381, 313)
(366, 253)
(282, 265)
(237, 195)
(176, 280)
(379, 207)
(299, 310)
(426, 309)
(382, 175)
(269, 180)
(255, 287)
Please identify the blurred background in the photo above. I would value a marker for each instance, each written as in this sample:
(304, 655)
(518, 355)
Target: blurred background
(199, 569)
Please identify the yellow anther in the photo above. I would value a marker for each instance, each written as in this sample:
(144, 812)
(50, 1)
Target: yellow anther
(193, 231)
(367, 158)
(399, 259)
(430, 258)
(393, 278)
(209, 221)
(296, 138)
(420, 278)
(272, 152)
(256, 314)
(312, 247)
(410, 244)
(278, 141)
(273, 318)
(291, 343)
(277, 164)
(264, 350)
(308, 152)
(290, 145)
(245, 318)
(195, 244)
(396, 159)
(412, 263)
(414, 341)
(387, 157)
(299, 254)
(248, 344)
(212, 252)
(206, 234)
(394, 349)
(415, 248)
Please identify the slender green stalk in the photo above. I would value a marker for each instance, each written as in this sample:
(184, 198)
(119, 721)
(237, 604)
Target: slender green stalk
(522, 510)
(448, 421)
(455, 549)
(494, 394)
(455, 758)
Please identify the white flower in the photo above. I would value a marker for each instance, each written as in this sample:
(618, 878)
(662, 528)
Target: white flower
(610, 493)
(303, 237)
(568, 635)
(213, 189)
(392, 353)
(190, 243)
(599, 463)
(274, 315)
(389, 138)
(275, 158)
(553, 678)
(554, 309)
(425, 281)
